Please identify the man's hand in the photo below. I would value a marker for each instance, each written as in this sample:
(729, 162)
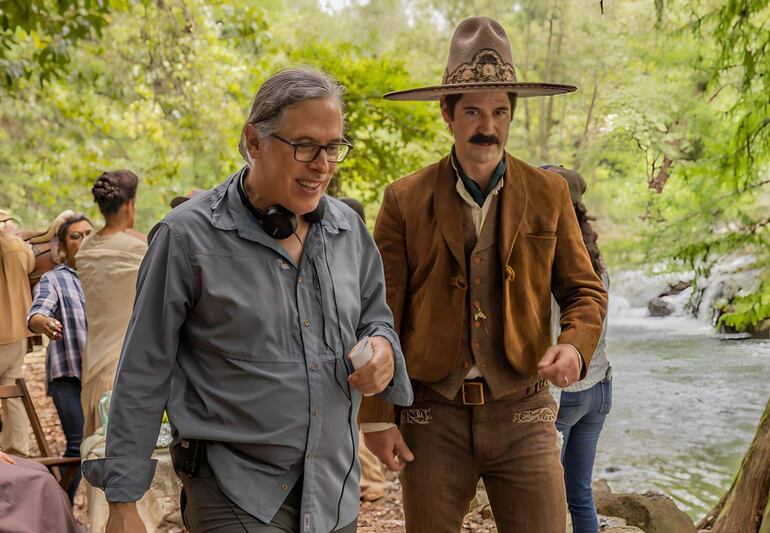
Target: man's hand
(375, 375)
(560, 365)
(124, 518)
(389, 447)
(45, 325)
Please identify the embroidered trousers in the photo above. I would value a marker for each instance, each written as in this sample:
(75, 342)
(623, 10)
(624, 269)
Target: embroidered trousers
(510, 444)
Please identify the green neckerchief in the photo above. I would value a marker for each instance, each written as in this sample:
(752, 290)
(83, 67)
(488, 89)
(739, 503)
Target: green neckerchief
(472, 187)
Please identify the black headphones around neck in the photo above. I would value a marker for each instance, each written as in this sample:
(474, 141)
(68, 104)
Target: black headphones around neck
(277, 221)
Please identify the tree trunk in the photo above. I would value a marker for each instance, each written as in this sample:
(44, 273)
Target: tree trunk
(746, 506)
(545, 109)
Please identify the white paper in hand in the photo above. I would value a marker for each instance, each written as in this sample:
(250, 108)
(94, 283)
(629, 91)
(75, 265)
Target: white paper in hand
(361, 353)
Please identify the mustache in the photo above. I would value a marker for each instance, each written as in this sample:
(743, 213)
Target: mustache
(484, 139)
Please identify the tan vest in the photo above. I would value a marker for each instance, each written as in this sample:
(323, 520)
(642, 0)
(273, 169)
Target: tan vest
(482, 342)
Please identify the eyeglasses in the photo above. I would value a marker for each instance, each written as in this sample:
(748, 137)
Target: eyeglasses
(305, 152)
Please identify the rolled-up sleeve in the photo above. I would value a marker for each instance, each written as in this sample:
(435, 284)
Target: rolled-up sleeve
(377, 319)
(163, 296)
(46, 299)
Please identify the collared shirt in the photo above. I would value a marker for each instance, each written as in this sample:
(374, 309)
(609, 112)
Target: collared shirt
(242, 347)
(60, 296)
(471, 187)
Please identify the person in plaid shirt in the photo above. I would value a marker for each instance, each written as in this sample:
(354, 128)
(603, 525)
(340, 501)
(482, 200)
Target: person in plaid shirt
(58, 311)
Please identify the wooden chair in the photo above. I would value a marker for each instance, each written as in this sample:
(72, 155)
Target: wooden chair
(53, 463)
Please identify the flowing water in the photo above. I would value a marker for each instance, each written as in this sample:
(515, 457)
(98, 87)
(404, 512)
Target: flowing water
(686, 404)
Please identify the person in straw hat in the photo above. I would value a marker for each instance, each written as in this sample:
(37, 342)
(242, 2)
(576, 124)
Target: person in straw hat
(473, 246)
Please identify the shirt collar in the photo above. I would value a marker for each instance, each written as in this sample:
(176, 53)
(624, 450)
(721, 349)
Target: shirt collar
(65, 266)
(471, 186)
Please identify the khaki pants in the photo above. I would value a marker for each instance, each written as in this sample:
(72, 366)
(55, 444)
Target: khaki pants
(510, 444)
(373, 482)
(15, 435)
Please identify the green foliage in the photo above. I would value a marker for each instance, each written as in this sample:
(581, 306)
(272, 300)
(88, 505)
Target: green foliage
(672, 94)
(391, 139)
(748, 310)
(37, 35)
(134, 99)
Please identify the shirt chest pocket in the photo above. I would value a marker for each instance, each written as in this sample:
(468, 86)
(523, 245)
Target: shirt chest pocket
(246, 306)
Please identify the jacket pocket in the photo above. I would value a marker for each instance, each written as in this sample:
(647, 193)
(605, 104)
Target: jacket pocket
(545, 234)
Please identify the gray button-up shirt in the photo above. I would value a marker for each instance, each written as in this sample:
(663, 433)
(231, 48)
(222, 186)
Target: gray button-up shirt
(242, 348)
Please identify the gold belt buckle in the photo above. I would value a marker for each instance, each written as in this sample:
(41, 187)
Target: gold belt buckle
(465, 393)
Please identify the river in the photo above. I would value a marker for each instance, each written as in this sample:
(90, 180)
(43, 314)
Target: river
(686, 404)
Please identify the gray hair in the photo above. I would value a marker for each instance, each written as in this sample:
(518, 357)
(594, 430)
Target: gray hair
(281, 90)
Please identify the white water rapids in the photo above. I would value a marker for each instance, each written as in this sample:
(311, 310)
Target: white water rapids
(686, 403)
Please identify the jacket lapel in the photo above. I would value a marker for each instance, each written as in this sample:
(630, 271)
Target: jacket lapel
(447, 206)
(513, 208)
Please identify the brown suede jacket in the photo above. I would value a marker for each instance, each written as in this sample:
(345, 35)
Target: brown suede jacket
(419, 234)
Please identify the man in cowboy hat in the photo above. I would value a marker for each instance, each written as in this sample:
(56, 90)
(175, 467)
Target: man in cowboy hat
(473, 247)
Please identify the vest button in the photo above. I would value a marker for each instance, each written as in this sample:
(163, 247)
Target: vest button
(476, 324)
(476, 259)
(477, 281)
(476, 304)
(510, 275)
(476, 345)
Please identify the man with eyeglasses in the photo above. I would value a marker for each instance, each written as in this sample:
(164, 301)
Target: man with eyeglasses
(248, 302)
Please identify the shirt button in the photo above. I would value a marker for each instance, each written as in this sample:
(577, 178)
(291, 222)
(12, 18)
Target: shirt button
(316, 412)
(476, 259)
(307, 323)
(476, 324)
(466, 364)
(313, 366)
(477, 281)
(284, 486)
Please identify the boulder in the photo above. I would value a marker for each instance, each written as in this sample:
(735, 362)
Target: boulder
(651, 512)
(659, 307)
(676, 288)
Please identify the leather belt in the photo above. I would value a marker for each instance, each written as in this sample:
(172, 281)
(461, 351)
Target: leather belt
(474, 393)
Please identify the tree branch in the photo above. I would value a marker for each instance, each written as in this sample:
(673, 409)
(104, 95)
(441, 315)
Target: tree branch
(659, 181)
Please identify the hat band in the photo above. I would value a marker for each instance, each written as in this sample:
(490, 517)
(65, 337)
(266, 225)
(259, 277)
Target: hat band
(487, 66)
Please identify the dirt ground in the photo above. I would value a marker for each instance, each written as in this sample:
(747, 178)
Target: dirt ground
(383, 516)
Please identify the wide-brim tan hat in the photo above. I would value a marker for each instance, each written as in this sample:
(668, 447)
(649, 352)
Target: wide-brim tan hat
(480, 60)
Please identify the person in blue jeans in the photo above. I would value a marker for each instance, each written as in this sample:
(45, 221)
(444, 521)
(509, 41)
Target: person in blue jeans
(584, 405)
(58, 312)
